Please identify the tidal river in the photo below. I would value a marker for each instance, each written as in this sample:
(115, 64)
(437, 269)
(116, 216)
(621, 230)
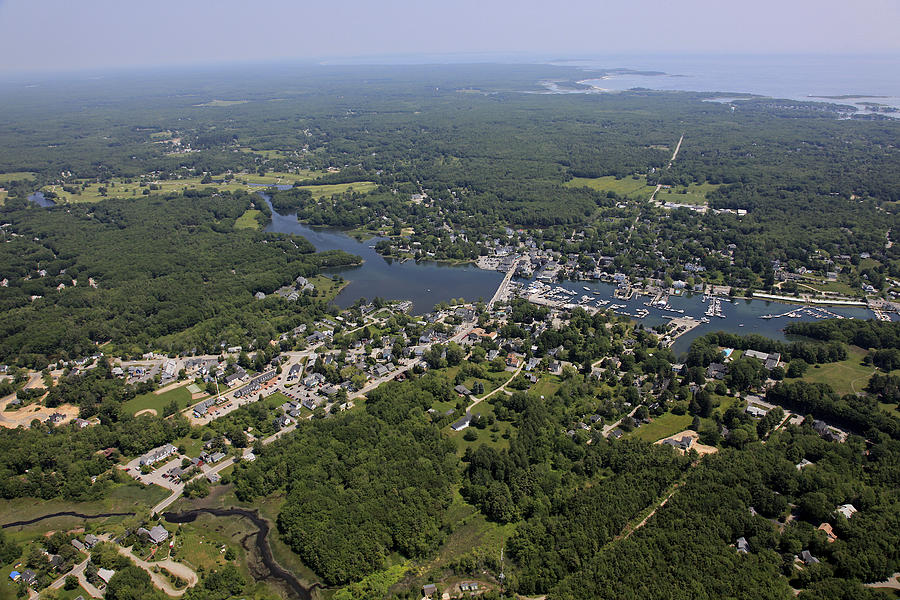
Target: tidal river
(424, 283)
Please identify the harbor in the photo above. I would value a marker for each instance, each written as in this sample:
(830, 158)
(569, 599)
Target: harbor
(691, 315)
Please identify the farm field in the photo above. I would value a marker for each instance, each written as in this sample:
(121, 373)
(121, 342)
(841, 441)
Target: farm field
(627, 186)
(16, 176)
(95, 192)
(321, 191)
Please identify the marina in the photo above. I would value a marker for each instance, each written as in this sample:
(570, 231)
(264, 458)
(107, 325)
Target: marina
(707, 313)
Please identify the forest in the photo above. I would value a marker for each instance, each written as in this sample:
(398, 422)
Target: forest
(460, 162)
(159, 272)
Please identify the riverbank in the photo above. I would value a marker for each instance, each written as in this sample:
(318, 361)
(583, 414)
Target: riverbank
(807, 300)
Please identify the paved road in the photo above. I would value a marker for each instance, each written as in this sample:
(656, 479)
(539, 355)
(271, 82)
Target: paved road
(78, 571)
(607, 428)
(501, 289)
(892, 582)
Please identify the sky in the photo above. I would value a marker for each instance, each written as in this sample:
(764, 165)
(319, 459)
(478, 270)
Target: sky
(62, 35)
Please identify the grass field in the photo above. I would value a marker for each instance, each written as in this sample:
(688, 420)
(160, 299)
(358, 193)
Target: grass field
(891, 409)
(693, 194)
(321, 191)
(470, 531)
(248, 220)
(662, 426)
(546, 386)
(627, 187)
(844, 377)
(16, 176)
(128, 497)
(159, 401)
(121, 189)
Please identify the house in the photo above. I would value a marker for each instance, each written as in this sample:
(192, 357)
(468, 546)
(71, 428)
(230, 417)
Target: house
(807, 557)
(158, 534)
(462, 390)
(803, 463)
(15, 575)
(105, 574)
(684, 443)
(462, 423)
(716, 371)
(216, 457)
(29, 577)
(213, 477)
(616, 433)
(829, 532)
(848, 510)
(756, 411)
(769, 360)
(429, 590)
(90, 540)
(742, 546)
(81, 423)
(158, 454)
(78, 545)
(294, 372)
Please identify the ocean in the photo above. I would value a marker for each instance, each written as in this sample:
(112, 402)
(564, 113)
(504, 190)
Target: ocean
(868, 78)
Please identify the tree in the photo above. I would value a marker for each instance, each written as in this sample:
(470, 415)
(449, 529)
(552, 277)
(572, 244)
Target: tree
(71, 582)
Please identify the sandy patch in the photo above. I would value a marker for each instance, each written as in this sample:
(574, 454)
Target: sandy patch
(701, 449)
(146, 411)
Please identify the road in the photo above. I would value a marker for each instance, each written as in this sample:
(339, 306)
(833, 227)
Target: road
(499, 389)
(668, 166)
(78, 571)
(501, 289)
(607, 428)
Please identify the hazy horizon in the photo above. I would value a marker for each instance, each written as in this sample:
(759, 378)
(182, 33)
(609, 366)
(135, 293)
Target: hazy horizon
(56, 35)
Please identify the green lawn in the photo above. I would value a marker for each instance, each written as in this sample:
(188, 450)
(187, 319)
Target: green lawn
(321, 191)
(695, 193)
(627, 186)
(844, 377)
(248, 220)
(891, 409)
(159, 401)
(546, 386)
(662, 427)
(16, 176)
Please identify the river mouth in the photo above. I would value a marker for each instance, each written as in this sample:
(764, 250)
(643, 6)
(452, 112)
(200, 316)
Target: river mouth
(263, 566)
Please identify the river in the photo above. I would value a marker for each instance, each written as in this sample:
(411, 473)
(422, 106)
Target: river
(425, 283)
(261, 545)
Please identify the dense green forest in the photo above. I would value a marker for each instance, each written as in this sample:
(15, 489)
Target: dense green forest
(459, 162)
(361, 487)
(170, 272)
